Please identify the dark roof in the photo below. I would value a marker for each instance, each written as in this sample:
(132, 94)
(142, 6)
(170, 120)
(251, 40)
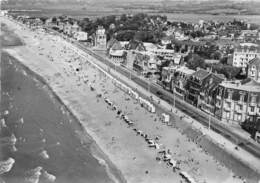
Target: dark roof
(111, 42)
(255, 61)
(135, 45)
(250, 48)
(212, 82)
(201, 74)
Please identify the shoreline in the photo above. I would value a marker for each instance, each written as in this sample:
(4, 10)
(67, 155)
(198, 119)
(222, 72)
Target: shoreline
(45, 74)
(114, 174)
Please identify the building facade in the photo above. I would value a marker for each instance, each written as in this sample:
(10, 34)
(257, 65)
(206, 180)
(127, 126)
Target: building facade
(208, 92)
(100, 38)
(179, 81)
(236, 102)
(194, 85)
(81, 36)
(253, 70)
(244, 53)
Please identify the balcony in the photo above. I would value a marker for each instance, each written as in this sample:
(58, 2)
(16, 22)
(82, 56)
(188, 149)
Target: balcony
(227, 107)
(240, 102)
(218, 104)
(228, 100)
(253, 104)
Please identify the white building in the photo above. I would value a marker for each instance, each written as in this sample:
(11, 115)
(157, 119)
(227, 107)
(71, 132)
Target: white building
(254, 69)
(244, 53)
(100, 38)
(4, 12)
(81, 36)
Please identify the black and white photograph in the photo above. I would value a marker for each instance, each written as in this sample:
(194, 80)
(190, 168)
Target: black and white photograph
(130, 91)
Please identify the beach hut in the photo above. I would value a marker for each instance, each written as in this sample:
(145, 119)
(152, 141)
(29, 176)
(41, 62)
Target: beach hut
(165, 118)
(154, 145)
(130, 122)
(172, 163)
(167, 157)
(152, 108)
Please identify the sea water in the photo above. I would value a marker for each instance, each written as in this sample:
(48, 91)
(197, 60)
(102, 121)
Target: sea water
(40, 135)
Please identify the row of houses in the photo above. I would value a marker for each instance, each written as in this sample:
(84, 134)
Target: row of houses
(244, 53)
(141, 56)
(230, 101)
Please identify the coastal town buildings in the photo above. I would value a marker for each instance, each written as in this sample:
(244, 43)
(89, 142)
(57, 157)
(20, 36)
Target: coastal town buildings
(200, 89)
(249, 36)
(81, 36)
(237, 101)
(244, 53)
(253, 71)
(115, 51)
(179, 81)
(167, 76)
(194, 86)
(100, 38)
(208, 92)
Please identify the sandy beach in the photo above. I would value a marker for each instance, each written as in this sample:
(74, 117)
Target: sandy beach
(83, 88)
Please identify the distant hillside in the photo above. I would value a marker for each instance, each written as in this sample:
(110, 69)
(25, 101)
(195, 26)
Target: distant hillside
(170, 6)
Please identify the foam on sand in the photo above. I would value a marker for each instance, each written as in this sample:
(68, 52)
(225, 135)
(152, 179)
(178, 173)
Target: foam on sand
(6, 112)
(6, 166)
(13, 139)
(49, 177)
(44, 154)
(104, 163)
(21, 121)
(2, 124)
(33, 175)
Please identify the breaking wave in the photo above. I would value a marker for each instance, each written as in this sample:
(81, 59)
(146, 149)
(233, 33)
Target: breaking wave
(6, 166)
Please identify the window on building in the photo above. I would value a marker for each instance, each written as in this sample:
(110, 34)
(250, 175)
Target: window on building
(252, 73)
(229, 95)
(253, 99)
(241, 98)
(239, 117)
(228, 115)
(228, 104)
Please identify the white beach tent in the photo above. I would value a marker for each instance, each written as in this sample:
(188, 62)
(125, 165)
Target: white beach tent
(166, 117)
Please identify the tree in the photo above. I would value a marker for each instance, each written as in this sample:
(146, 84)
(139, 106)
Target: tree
(125, 35)
(216, 55)
(196, 61)
(169, 46)
(230, 72)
